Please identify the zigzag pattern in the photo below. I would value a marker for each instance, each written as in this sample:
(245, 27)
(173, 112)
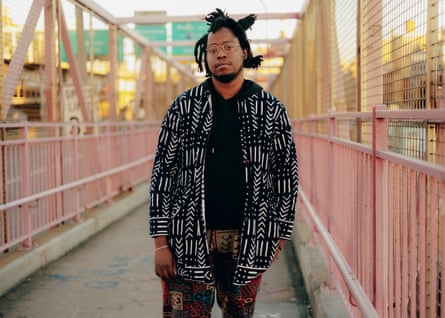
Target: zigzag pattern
(177, 185)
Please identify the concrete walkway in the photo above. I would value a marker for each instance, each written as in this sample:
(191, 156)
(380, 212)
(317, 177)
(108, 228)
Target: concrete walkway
(107, 271)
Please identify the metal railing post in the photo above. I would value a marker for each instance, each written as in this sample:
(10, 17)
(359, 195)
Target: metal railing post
(332, 133)
(25, 187)
(313, 131)
(75, 167)
(380, 208)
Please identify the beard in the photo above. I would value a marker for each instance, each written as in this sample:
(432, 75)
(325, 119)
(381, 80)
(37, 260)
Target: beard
(227, 78)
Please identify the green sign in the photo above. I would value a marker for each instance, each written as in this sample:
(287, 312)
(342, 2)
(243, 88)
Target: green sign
(101, 44)
(187, 31)
(153, 33)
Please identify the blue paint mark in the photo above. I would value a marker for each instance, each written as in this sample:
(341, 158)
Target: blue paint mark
(107, 272)
(120, 261)
(62, 278)
(102, 284)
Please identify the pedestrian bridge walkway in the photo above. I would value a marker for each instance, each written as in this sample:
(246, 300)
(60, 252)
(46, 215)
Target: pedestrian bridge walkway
(110, 273)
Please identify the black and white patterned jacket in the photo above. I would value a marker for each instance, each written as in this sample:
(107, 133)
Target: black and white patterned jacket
(177, 184)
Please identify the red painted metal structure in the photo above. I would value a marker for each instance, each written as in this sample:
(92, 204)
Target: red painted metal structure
(55, 177)
(378, 214)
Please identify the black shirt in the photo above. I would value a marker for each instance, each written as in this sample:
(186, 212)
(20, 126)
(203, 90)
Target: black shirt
(224, 171)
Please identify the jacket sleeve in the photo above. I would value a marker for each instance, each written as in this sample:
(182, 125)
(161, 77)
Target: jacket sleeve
(286, 174)
(165, 168)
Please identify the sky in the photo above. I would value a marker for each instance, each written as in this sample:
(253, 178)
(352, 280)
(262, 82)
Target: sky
(192, 7)
(261, 29)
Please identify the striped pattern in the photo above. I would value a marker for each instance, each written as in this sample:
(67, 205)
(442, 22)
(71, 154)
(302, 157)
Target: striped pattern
(177, 185)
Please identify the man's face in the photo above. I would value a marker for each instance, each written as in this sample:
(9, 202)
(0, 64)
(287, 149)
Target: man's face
(225, 57)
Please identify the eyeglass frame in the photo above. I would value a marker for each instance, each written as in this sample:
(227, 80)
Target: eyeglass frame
(227, 48)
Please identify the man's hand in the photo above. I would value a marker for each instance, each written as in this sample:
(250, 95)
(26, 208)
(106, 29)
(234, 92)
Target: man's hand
(165, 265)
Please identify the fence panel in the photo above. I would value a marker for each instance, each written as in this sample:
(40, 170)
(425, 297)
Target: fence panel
(374, 177)
(384, 211)
(51, 178)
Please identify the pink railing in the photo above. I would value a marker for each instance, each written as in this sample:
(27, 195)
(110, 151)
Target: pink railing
(378, 214)
(50, 175)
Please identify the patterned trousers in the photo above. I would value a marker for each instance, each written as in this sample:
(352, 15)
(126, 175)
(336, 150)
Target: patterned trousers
(188, 299)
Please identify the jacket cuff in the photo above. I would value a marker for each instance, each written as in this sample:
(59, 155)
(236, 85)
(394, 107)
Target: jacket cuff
(159, 226)
(286, 230)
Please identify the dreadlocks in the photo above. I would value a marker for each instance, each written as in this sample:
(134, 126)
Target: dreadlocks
(219, 19)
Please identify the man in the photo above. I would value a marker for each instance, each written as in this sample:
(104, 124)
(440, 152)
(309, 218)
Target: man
(224, 182)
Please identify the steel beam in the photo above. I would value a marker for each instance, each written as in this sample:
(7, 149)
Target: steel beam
(191, 18)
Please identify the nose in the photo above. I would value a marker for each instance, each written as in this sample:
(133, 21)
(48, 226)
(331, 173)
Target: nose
(221, 53)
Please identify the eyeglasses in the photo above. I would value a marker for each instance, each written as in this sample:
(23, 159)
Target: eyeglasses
(227, 48)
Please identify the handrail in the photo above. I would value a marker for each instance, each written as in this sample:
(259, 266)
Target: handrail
(74, 184)
(364, 304)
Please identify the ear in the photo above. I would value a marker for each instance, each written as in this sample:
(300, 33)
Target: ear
(245, 54)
